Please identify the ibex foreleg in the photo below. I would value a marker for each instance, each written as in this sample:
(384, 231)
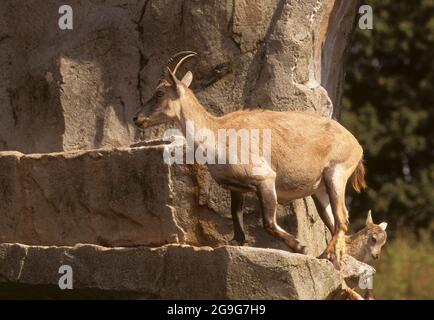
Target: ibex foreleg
(266, 191)
(237, 200)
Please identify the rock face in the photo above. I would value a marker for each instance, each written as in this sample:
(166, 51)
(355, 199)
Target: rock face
(125, 197)
(67, 89)
(78, 89)
(130, 198)
(222, 273)
(67, 97)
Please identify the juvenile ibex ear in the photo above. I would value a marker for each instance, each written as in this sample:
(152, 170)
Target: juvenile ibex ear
(187, 79)
(369, 219)
(383, 225)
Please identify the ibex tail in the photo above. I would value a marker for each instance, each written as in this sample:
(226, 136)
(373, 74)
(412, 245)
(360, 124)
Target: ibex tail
(358, 177)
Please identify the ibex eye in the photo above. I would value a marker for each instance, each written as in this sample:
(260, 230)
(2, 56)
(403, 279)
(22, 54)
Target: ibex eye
(160, 94)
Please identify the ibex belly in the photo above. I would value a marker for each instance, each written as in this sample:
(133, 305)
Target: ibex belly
(238, 177)
(290, 184)
(291, 188)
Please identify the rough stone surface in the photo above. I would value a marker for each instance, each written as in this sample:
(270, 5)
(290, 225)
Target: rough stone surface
(126, 197)
(222, 273)
(111, 197)
(75, 90)
(67, 89)
(78, 89)
(353, 271)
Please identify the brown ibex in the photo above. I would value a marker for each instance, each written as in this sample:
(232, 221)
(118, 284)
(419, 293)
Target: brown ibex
(310, 155)
(365, 245)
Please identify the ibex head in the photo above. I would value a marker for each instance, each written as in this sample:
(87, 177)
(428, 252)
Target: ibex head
(164, 105)
(376, 237)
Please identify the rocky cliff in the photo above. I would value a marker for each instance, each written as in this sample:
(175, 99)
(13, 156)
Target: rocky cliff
(68, 175)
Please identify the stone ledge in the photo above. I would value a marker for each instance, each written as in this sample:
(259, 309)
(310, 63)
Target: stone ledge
(172, 271)
(111, 197)
(129, 197)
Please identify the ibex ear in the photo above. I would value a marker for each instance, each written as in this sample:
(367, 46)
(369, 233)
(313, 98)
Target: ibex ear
(383, 225)
(369, 219)
(187, 79)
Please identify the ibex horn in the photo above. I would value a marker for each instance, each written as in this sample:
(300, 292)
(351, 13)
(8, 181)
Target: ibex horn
(192, 54)
(189, 54)
(172, 58)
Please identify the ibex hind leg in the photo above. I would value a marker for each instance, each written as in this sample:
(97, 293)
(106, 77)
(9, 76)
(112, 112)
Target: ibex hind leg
(335, 186)
(268, 199)
(237, 200)
(322, 204)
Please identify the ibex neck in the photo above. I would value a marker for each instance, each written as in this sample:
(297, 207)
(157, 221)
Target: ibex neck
(356, 244)
(193, 113)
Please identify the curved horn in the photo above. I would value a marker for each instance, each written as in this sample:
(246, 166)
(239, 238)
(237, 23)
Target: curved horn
(192, 54)
(172, 58)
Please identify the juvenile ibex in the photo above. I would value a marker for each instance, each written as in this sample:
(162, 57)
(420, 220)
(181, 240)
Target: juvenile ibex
(310, 155)
(365, 245)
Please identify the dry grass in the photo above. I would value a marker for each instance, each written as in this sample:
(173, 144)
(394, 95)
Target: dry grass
(406, 267)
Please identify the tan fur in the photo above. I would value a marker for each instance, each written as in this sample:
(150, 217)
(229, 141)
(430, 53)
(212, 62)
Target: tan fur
(360, 245)
(366, 244)
(309, 153)
(295, 136)
(358, 177)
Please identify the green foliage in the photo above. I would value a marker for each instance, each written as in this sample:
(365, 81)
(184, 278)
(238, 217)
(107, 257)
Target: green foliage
(406, 268)
(388, 104)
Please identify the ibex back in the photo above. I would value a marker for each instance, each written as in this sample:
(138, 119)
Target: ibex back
(310, 155)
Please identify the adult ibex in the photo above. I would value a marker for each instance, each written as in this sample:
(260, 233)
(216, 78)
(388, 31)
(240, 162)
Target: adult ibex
(310, 155)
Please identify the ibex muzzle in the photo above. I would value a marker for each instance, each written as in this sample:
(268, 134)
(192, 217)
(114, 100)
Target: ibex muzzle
(164, 104)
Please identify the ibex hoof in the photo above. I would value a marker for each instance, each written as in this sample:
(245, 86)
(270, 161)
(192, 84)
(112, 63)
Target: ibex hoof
(324, 255)
(336, 263)
(331, 256)
(300, 249)
(235, 242)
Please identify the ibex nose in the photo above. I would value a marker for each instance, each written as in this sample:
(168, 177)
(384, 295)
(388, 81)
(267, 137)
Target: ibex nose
(135, 119)
(375, 256)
